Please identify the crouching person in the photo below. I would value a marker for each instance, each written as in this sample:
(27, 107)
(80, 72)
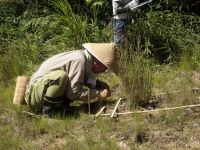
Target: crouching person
(61, 78)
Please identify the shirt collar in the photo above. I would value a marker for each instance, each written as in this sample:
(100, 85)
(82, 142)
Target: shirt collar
(89, 60)
(91, 78)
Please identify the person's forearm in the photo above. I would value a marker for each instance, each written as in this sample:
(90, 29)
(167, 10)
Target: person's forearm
(120, 8)
(84, 96)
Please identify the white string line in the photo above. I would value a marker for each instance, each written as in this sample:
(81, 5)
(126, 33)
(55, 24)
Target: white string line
(89, 101)
(155, 110)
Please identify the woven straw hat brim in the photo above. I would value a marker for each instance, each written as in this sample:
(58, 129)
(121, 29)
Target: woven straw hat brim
(105, 52)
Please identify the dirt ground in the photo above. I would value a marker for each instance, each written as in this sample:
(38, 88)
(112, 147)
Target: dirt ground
(166, 130)
(172, 129)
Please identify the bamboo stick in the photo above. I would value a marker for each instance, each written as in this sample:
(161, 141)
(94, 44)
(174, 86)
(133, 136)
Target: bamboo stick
(100, 111)
(89, 101)
(114, 111)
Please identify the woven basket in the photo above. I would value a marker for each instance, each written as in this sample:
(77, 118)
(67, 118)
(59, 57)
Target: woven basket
(20, 90)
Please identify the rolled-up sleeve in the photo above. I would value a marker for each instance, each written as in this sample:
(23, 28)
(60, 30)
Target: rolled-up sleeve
(76, 74)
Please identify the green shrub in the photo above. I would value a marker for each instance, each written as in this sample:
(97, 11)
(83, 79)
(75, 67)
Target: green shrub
(165, 35)
(136, 75)
(77, 28)
(195, 59)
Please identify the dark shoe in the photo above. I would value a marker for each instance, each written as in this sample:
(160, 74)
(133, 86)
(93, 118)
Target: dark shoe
(48, 111)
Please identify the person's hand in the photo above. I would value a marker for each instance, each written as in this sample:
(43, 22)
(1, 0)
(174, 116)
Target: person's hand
(119, 9)
(103, 94)
(105, 86)
(102, 85)
(122, 9)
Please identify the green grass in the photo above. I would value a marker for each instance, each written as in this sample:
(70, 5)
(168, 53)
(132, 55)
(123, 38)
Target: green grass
(137, 131)
(7, 93)
(136, 76)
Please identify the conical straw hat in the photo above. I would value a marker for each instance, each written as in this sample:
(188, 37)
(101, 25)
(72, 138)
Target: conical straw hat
(106, 53)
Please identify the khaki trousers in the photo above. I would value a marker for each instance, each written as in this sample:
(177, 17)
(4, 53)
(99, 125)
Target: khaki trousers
(50, 88)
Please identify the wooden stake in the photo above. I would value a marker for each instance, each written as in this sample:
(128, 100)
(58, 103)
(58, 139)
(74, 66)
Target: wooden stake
(100, 111)
(89, 101)
(114, 111)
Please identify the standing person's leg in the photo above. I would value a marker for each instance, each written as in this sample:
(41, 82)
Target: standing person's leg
(119, 27)
(47, 91)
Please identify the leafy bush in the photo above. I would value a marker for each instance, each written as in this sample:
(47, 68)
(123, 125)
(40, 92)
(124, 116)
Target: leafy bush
(195, 58)
(31, 31)
(165, 35)
(77, 28)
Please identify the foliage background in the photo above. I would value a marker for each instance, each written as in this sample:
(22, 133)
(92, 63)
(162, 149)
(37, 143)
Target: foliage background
(164, 32)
